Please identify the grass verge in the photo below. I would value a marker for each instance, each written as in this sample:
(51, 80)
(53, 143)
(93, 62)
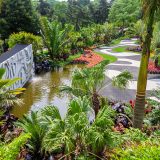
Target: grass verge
(107, 57)
(120, 49)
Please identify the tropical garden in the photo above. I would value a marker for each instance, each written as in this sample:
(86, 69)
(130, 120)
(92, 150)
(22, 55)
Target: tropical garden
(94, 127)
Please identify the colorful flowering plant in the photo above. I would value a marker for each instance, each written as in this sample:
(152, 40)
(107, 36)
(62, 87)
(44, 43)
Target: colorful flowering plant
(147, 106)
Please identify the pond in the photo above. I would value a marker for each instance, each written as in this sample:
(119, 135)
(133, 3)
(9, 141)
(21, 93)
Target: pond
(42, 90)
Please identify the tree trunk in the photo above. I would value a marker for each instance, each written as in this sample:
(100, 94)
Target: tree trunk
(142, 78)
(96, 103)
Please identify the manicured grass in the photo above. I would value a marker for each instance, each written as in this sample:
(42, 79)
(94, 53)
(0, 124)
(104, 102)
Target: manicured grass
(115, 42)
(72, 57)
(107, 57)
(69, 60)
(120, 49)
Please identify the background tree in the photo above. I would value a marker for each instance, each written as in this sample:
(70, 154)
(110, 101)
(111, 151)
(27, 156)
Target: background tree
(15, 16)
(103, 11)
(124, 12)
(45, 9)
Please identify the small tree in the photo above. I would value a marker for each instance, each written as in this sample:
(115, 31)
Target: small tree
(55, 38)
(89, 82)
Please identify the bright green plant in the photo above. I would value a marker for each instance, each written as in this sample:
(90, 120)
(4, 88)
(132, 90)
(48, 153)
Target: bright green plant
(31, 124)
(87, 37)
(110, 32)
(25, 38)
(11, 151)
(74, 135)
(9, 97)
(90, 81)
(144, 151)
(55, 38)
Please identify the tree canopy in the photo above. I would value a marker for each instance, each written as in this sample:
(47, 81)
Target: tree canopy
(124, 12)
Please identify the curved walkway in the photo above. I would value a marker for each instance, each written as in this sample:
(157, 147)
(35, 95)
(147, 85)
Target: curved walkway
(126, 61)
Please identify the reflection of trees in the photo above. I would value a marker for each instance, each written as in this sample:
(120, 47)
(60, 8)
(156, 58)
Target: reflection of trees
(43, 91)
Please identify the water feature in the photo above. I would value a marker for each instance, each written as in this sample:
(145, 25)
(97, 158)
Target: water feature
(42, 90)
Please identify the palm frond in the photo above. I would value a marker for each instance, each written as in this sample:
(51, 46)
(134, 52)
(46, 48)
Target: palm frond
(122, 80)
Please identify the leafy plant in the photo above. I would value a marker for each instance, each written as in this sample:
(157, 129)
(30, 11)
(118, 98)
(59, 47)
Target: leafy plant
(25, 38)
(75, 136)
(31, 124)
(90, 81)
(146, 150)
(55, 38)
(11, 151)
(8, 97)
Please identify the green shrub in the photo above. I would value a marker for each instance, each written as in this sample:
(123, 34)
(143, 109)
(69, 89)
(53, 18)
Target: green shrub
(144, 151)
(11, 151)
(25, 38)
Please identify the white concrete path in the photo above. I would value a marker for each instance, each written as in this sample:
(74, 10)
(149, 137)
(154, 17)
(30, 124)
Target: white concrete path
(125, 57)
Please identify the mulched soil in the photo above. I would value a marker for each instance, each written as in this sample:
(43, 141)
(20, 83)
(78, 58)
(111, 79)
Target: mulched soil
(90, 58)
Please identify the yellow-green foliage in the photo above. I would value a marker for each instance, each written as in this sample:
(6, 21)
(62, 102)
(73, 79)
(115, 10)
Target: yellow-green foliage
(10, 151)
(144, 151)
(25, 38)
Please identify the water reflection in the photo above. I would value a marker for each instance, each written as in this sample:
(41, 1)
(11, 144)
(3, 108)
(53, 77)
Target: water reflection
(43, 90)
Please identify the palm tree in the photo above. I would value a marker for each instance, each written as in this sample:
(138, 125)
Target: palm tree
(74, 135)
(149, 9)
(9, 97)
(90, 81)
(55, 38)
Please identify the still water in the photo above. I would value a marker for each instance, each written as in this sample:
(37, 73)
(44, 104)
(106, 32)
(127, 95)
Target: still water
(42, 90)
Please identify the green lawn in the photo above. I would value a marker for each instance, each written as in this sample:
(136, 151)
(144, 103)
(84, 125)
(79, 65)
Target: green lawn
(120, 49)
(115, 42)
(72, 57)
(107, 57)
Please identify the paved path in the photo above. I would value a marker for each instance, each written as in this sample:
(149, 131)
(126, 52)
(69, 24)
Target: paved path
(126, 61)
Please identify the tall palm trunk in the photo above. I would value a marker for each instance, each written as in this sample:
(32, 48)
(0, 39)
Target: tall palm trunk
(142, 78)
(96, 103)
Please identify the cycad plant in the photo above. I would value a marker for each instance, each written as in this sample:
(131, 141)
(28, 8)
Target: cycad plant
(74, 136)
(55, 38)
(89, 82)
(32, 124)
(8, 97)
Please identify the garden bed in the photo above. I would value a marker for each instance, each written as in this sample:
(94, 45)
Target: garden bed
(152, 69)
(89, 58)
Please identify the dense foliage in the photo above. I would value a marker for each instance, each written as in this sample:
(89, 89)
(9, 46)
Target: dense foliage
(124, 12)
(11, 151)
(25, 38)
(16, 16)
